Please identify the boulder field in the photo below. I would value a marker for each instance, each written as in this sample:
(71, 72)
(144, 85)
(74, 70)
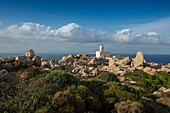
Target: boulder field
(84, 65)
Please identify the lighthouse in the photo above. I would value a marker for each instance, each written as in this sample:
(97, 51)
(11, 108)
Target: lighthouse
(101, 53)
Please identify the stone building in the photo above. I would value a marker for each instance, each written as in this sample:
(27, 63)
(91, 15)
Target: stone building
(29, 54)
(102, 53)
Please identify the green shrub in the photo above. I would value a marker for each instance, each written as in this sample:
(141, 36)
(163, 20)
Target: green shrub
(124, 107)
(95, 65)
(52, 81)
(150, 82)
(30, 73)
(107, 76)
(19, 66)
(66, 102)
(0, 66)
(61, 78)
(29, 102)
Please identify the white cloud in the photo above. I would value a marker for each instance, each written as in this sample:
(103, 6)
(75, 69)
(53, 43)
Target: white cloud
(71, 32)
(27, 32)
(129, 36)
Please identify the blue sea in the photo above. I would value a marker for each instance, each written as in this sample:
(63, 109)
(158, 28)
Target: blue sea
(161, 59)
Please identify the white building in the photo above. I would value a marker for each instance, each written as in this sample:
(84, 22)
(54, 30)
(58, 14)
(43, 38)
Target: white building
(102, 53)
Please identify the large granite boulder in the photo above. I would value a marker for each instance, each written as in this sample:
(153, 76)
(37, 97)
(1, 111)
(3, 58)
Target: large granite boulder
(112, 61)
(53, 63)
(21, 59)
(167, 70)
(150, 71)
(93, 60)
(124, 61)
(8, 66)
(5, 76)
(69, 60)
(30, 62)
(37, 60)
(138, 61)
(45, 64)
(3, 85)
(57, 67)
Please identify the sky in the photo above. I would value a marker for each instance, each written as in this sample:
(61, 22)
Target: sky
(80, 26)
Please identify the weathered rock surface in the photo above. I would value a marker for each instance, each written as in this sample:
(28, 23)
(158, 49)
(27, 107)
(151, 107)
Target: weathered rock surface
(138, 61)
(160, 90)
(21, 59)
(57, 67)
(164, 69)
(45, 64)
(53, 63)
(150, 71)
(8, 66)
(37, 60)
(5, 76)
(124, 61)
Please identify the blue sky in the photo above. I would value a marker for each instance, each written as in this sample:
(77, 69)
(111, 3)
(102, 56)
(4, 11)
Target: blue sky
(137, 19)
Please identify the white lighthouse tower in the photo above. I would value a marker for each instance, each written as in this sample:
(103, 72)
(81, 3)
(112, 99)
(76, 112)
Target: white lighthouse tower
(102, 53)
(101, 48)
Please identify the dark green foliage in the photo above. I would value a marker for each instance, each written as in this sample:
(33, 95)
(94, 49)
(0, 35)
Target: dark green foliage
(30, 73)
(107, 76)
(29, 102)
(61, 92)
(150, 82)
(95, 65)
(92, 102)
(66, 102)
(60, 78)
(124, 107)
(0, 66)
(19, 66)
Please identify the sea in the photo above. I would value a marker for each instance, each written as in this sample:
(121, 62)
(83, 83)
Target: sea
(156, 58)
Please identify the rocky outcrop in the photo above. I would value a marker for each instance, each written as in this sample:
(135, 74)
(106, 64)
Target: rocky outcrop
(53, 63)
(138, 61)
(5, 79)
(69, 60)
(150, 71)
(8, 66)
(57, 67)
(124, 61)
(21, 59)
(161, 90)
(45, 64)
(167, 70)
(29, 54)
(37, 60)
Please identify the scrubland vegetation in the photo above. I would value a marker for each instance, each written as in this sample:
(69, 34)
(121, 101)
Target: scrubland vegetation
(59, 91)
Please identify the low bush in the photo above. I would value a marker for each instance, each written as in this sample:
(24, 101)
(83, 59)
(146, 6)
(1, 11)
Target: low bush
(29, 102)
(124, 107)
(107, 76)
(150, 82)
(68, 103)
(30, 73)
(95, 65)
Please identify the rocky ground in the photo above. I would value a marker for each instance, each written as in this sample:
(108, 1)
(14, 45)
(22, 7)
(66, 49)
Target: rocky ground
(15, 69)
(84, 66)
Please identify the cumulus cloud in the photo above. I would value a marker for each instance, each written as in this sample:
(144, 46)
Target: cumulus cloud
(71, 32)
(131, 37)
(28, 31)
